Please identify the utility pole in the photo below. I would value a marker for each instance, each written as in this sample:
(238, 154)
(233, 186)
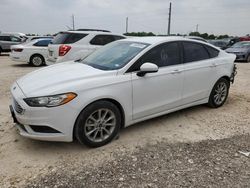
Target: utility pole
(197, 28)
(127, 25)
(169, 18)
(73, 21)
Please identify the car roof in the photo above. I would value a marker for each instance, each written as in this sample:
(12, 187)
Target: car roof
(156, 40)
(91, 32)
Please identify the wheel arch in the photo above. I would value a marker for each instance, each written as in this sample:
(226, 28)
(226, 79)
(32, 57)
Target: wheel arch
(115, 102)
(225, 77)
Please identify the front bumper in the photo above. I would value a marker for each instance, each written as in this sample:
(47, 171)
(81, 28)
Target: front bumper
(31, 120)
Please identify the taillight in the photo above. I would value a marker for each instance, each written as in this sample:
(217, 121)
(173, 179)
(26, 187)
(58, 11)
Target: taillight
(63, 49)
(17, 49)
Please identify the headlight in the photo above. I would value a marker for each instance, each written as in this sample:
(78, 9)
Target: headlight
(50, 101)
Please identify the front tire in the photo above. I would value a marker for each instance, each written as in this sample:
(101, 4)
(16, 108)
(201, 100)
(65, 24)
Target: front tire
(219, 93)
(98, 124)
(37, 60)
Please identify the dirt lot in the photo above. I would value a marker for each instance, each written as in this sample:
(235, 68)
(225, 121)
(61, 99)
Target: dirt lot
(175, 148)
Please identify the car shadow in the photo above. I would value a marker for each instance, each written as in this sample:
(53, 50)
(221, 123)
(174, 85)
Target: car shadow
(21, 65)
(4, 54)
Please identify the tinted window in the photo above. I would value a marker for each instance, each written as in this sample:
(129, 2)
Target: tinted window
(102, 39)
(42, 43)
(15, 39)
(163, 55)
(5, 38)
(118, 37)
(194, 52)
(212, 51)
(68, 38)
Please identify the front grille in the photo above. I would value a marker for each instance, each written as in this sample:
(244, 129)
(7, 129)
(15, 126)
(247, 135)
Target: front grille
(17, 107)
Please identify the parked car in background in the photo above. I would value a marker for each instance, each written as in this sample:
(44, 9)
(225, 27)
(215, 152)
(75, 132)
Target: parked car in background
(34, 52)
(73, 45)
(245, 38)
(30, 38)
(6, 40)
(241, 50)
(222, 44)
(120, 84)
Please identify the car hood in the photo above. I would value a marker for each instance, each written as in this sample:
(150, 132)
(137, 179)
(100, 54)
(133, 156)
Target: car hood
(236, 50)
(59, 78)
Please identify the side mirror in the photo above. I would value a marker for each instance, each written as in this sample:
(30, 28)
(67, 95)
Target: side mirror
(147, 68)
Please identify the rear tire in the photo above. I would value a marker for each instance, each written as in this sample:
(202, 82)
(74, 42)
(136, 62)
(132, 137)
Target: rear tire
(98, 124)
(219, 93)
(37, 60)
(0, 50)
(248, 58)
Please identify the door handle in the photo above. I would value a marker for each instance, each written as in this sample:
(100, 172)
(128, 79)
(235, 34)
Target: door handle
(176, 71)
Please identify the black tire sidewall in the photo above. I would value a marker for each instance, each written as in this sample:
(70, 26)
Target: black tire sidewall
(248, 59)
(32, 57)
(80, 123)
(211, 102)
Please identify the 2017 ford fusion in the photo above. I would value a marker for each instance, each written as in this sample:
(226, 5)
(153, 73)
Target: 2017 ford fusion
(123, 83)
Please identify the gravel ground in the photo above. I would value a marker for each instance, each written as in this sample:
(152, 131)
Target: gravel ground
(24, 160)
(211, 163)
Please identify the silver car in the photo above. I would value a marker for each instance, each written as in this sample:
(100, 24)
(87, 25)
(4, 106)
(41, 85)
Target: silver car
(241, 50)
(6, 40)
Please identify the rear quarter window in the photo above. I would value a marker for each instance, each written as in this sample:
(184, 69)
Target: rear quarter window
(68, 38)
(212, 51)
(194, 52)
(42, 43)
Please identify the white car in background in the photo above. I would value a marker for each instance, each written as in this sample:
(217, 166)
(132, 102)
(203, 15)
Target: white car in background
(34, 52)
(123, 83)
(74, 45)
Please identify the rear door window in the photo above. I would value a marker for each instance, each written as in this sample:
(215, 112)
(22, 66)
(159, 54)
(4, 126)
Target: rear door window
(68, 38)
(15, 39)
(212, 51)
(42, 43)
(102, 39)
(194, 52)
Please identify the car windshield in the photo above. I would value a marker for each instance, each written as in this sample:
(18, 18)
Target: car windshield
(114, 55)
(241, 45)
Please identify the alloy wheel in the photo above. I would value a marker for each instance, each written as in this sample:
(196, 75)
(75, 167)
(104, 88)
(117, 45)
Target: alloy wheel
(100, 125)
(37, 61)
(220, 93)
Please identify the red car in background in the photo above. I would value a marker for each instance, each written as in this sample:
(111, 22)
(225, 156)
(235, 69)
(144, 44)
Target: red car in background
(245, 38)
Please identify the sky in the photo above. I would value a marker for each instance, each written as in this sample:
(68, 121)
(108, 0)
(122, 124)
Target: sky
(50, 16)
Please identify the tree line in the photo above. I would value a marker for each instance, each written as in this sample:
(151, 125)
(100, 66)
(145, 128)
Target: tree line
(203, 35)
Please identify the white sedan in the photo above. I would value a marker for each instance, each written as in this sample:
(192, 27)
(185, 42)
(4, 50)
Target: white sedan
(123, 83)
(34, 52)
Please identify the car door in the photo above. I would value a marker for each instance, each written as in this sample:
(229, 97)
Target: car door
(157, 92)
(198, 72)
(41, 47)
